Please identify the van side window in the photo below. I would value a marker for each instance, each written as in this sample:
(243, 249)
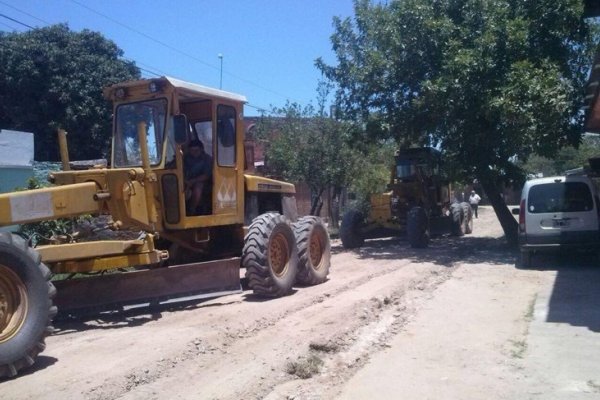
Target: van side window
(226, 129)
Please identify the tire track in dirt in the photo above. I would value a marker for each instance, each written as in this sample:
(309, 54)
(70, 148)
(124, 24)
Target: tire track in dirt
(146, 348)
(253, 365)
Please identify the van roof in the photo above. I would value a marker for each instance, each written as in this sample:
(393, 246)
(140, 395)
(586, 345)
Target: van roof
(558, 178)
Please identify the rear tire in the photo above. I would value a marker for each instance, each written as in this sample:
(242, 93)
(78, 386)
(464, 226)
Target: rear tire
(467, 217)
(26, 308)
(417, 229)
(350, 231)
(314, 250)
(270, 255)
(456, 212)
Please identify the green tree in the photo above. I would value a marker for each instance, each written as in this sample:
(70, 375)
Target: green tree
(567, 158)
(304, 145)
(487, 80)
(53, 78)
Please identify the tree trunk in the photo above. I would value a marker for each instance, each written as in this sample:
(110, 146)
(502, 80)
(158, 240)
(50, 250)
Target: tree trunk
(507, 220)
(335, 207)
(317, 203)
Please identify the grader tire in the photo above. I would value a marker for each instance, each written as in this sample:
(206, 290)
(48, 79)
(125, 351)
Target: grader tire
(26, 308)
(417, 230)
(350, 230)
(314, 251)
(270, 255)
(467, 217)
(458, 226)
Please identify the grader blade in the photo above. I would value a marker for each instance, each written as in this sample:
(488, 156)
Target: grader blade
(148, 286)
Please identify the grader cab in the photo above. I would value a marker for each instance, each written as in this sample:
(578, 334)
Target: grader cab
(418, 204)
(245, 220)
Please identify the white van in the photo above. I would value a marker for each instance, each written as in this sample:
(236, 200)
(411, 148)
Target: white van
(555, 212)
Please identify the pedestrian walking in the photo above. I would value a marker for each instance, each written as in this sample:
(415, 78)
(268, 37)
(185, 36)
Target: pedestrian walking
(474, 200)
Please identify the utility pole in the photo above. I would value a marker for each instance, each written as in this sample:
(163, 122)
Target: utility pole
(220, 55)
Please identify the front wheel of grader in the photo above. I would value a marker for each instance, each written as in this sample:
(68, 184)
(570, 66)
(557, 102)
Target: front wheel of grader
(26, 308)
(270, 255)
(350, 230)
(314, 250)
(417, 227)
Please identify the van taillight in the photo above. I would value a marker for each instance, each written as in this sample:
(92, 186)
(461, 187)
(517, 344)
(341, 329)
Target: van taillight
(522, 216)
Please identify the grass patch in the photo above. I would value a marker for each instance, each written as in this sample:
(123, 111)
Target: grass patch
(305, 368)
(595, 386)
(531, 308)
(328, 347)
(519, 348)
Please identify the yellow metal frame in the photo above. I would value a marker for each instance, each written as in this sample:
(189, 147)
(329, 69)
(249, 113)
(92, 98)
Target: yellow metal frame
(132, 196)
(48, 203)
(101, 255)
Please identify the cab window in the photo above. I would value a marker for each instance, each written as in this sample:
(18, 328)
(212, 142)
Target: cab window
(226, 128)
(203, 131)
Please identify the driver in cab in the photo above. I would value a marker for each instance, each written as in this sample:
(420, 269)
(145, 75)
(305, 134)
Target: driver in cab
(198, 175)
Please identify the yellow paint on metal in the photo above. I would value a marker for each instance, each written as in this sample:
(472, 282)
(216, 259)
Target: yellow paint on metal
(107, 263)
(134, 195)
(13, 303)
(64, 149)
(102, 248)
(380, 207)
(262, 184)
(48, 203)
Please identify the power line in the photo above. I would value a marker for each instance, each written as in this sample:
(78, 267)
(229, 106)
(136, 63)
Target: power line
(124, 58)
(180, 51)
(12, 28)
(24, 12)
(258, 108)
(143, 34)
(18, 22)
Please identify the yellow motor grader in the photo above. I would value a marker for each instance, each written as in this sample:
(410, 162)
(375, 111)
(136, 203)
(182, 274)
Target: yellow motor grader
(246, 221)
(418, 204)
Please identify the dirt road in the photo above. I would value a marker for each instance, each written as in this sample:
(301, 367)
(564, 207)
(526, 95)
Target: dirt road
(451, 321)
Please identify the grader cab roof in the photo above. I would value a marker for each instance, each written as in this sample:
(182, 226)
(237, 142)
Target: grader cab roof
(186, 90)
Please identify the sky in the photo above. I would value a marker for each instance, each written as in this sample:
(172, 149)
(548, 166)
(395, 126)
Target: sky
(268, 47)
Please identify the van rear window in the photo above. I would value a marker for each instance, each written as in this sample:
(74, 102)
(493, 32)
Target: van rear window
(560, 197)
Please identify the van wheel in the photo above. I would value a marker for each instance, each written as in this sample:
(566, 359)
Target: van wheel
(417, 229)
(350, 231)
(525, 259)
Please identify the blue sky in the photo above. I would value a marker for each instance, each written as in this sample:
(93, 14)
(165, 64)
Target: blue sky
(268, 46)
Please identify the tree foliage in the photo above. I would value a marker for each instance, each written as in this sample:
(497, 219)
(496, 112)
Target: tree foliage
(53, 78)
(303, 145)
(486, 80)
(567, 158)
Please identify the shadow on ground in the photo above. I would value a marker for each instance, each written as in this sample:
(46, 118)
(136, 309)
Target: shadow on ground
(41, 362)
(130, 317)
(444, 250)
(575, 297)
